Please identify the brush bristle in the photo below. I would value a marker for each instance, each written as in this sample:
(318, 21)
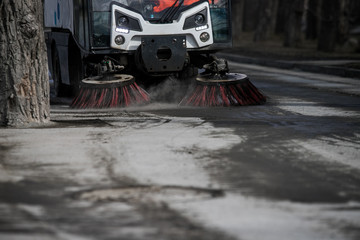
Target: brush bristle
(216, 94)
(110, 97)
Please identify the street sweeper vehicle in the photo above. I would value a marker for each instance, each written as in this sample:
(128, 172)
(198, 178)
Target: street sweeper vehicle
(98, 48)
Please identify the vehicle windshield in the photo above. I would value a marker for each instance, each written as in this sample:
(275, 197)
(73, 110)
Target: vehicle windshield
(149, 9)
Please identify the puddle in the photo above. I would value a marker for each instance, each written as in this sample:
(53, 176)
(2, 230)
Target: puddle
(151, 193)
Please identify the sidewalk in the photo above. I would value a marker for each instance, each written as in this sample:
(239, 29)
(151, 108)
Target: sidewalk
(273, 54)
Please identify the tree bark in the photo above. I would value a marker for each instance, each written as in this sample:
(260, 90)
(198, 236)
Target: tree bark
(24, 85)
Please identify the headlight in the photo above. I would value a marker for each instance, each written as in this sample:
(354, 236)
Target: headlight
(199, 19)
(122, 21)
(204, 37)
(119, 40)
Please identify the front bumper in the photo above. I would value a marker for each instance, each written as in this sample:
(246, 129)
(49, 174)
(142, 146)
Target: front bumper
(133, 37)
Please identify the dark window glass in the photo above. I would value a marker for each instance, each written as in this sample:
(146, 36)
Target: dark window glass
(101, 29)
(220, 19)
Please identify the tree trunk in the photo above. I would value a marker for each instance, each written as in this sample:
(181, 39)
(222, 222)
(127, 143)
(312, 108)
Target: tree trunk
(354, 16)
(251, 15)
(267, 20)
(24, 85)
(237, 8)
(330, 15)
(313, 19)
(344, 23)
(293, 29)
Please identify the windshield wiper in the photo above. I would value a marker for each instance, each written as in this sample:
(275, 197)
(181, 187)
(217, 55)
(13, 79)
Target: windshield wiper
(171, 11)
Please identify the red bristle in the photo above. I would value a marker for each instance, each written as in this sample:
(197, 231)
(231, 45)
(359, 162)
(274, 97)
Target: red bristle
(126, 96)
(218, 98)
(203, 96)
(114, 99)
(76, 100)
(85, 93)
(224, 97)
(195, 94)
(233, 94)
(104, 97)
(198, 97)
(96, 97)
(212, 99)
(93, 99)
(143, 93)
(111, 97)
(247, 100)
(236, 93)
(133, 93)
(136, 93)
(111, 101)
(259, 96)
(239, 94)
(98, 102)
(192, 97)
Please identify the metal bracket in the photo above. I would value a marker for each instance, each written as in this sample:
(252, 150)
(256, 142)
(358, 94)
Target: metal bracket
(163, 53)
(218, 67)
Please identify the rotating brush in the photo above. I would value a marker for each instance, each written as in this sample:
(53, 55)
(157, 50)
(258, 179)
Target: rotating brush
(231, 89)
(120, 91)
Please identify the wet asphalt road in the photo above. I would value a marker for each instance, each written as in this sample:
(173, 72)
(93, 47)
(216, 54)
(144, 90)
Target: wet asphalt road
(288, 169)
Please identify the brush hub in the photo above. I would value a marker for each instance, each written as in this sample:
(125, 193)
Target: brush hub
(108, 81)
(215, 79)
